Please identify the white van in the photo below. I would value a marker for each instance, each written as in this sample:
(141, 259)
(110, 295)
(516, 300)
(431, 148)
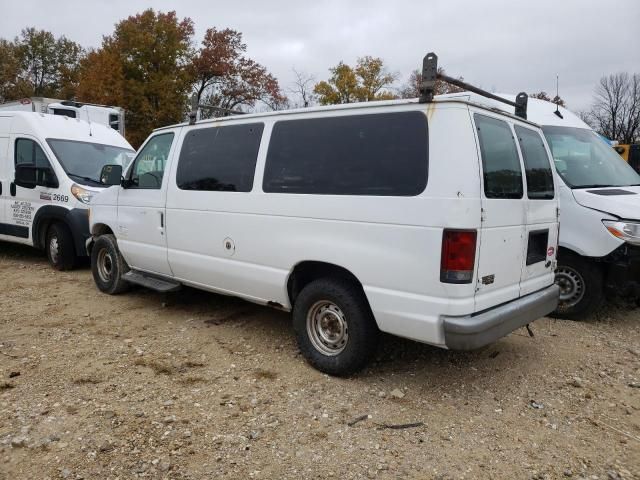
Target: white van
(113, 117)
(359, 218)
(599, 197)
(49, 170)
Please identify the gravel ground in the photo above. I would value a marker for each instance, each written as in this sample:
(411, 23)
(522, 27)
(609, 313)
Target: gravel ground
(195, 385)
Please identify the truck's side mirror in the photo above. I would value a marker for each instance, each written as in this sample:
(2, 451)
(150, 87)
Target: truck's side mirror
(26, 176)
(111, 175)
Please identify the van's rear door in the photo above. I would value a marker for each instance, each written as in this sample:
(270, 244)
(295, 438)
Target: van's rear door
(541, 212)
(502, 235)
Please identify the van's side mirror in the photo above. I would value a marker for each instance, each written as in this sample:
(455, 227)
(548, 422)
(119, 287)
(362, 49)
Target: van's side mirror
(111, 175)
(26, 176)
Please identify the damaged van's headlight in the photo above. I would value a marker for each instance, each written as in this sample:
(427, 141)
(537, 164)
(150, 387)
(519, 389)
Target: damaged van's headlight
(82, 194)
(626, 231)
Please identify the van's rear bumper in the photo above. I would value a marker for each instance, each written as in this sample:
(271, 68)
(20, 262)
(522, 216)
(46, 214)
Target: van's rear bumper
(477, 330)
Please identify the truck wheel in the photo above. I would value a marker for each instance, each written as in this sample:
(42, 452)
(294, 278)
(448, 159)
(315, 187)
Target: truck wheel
(60, 248)
(108, 266)
(581, 286)
(334, 326)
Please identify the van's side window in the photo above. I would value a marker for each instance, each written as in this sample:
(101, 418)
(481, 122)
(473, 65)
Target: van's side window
(376, 154)
(537, 165)
(148, 170)
(220, 158)
(500, 160)
(29, 154)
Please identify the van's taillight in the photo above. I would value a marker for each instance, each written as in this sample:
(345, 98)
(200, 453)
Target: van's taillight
(458, 256)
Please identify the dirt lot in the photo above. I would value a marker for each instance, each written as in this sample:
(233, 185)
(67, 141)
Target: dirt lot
(195, 385)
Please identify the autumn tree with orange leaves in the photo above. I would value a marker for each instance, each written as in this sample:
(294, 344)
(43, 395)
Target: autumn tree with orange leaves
(145, 67)
(227, 79)
(369, 80)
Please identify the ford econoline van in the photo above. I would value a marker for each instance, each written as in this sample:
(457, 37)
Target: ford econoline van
(49, 171)
(357, 218)
(599, 196)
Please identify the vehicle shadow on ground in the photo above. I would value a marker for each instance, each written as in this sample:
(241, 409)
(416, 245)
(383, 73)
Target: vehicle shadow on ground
(395, 356)
(32, 256)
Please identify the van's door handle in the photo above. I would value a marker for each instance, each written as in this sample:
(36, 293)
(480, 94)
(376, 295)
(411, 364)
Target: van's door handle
(0, 188)
(12, 189)
(161, 219)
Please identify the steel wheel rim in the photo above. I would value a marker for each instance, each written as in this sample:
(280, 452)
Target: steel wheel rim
(327, 328)
(572, 287)
(104, 265)
(54, 248)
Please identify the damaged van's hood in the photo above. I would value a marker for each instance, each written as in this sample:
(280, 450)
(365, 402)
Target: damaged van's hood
(623, 202)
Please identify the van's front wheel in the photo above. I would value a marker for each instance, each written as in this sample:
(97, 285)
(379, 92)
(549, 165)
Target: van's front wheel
(334, 326)
(108, 266)
(581, 286)
(61, 252)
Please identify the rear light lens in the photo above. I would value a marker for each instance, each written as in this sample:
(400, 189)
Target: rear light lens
(458, 256)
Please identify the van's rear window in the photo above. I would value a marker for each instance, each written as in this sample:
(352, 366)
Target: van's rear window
(375, 154)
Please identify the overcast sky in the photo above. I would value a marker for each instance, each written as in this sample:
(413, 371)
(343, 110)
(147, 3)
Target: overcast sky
(504, 46)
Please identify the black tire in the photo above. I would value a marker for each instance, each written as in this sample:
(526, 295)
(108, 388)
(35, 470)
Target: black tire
(108, 266)
(338, 302)
(581, 286)
(59, 246)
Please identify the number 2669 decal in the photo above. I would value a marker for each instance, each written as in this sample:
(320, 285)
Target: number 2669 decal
(59, 198)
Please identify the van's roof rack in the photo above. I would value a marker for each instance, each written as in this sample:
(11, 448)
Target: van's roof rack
(430, 74)
(195, 106)
(75, 104)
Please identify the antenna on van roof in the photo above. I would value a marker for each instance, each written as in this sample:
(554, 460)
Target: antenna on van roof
(430, 74)
(557, 99)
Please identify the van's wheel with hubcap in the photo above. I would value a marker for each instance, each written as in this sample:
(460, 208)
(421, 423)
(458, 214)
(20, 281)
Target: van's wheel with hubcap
(108, 266)
(59, 246)
(581, 286)
(334, 326)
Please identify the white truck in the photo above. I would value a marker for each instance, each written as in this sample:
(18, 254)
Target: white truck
(49, 170)
(599, 197)
(113, 117)
(357, 218)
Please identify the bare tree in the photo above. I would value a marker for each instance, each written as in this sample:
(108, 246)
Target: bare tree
(302, 88)
(412, 88)
(615, 112)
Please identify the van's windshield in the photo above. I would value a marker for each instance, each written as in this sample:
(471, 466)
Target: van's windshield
(83, 161)
(584, 160)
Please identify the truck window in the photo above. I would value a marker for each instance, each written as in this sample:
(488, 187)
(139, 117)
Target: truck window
(500, 161)
(64, 112)
(220, 158)
(536, 164)
(148, 169)
(114, 121)
(375, 154)
(29, 153)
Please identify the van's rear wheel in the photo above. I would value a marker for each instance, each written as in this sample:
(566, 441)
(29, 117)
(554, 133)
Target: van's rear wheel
(334, 326)
(59, 246)
(581, 286)
(108, 266)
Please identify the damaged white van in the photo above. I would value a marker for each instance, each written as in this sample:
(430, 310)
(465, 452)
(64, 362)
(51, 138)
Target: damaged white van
(49, 170)
(359, 218)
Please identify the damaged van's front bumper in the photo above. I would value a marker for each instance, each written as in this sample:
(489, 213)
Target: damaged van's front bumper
(480, 329)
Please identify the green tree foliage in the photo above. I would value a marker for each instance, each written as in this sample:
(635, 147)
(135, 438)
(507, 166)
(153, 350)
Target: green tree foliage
(369, 80)
(38, 64)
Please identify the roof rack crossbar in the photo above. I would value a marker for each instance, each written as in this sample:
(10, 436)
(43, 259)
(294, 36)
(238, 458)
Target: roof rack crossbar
(195, 106)
(430, 75)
